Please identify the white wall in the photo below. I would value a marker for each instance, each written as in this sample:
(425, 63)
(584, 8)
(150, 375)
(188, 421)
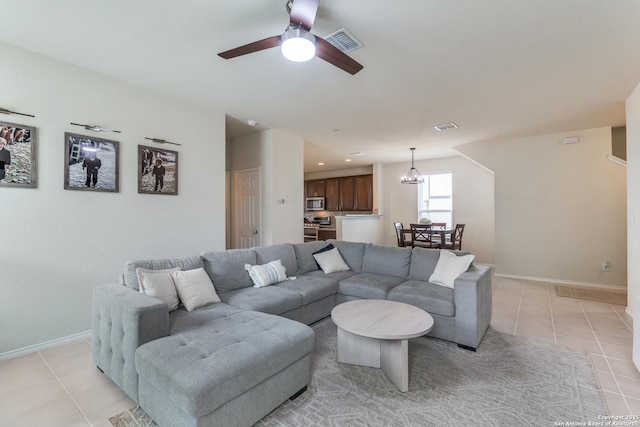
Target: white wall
(280, 156)
(472, 201)
(58, 244)
(633, 215)
(283, 189)
(560, 209)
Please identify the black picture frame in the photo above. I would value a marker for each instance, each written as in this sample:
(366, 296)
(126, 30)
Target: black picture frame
(157, 171)
(91, 163)
(18, 144)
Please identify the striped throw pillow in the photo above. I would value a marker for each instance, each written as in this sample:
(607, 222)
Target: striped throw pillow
(266, 274)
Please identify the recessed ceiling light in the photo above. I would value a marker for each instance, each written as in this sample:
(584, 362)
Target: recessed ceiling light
(320, 163)
(347, 160)
(446, 126)
(251, 122)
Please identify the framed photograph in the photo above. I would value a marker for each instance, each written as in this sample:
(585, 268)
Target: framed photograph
(17, 155)
(157, 171)
(90, 164)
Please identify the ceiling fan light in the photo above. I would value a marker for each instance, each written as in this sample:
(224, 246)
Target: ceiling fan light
(298, 45)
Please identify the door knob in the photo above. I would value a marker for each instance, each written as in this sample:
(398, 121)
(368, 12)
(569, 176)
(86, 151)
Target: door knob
(254, 232)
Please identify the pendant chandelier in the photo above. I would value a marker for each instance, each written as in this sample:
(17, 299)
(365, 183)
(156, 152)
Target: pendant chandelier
(413, 177)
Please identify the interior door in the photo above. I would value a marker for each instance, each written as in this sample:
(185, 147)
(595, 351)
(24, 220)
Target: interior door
(247, 213)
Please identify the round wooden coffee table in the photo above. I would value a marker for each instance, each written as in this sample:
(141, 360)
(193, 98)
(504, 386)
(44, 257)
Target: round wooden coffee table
(375, 333)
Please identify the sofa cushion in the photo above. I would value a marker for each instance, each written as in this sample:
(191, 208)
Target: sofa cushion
(311, 288)
(351, 252)
(271, 299)
(337, 276)
(330, 260)
(386, 260)
(325, 248)
(159, 284)
(219, 352)
(284, 252)
(424, 261)
(226, 269)
(449, 267)
(266, 274)
(432, 298)
(185, 263)
(304, 255)
(367, 285)
(195, 288)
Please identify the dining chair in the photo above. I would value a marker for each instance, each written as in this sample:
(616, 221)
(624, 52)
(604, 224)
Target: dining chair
(400, 234)
(422, 236)
(456, 239)
(436, 238)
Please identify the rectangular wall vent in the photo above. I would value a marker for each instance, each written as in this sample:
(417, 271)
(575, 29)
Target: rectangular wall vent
(446, 126)
(344, 40)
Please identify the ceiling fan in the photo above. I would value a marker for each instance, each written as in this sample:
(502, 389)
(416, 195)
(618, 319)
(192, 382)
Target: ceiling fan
(302, 14)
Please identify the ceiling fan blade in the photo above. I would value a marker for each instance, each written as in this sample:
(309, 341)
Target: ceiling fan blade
(333, 55)
(303, 13)
(263, 44)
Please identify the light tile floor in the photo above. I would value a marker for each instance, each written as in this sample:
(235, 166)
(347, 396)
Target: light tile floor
(532, 310)
(60, 386)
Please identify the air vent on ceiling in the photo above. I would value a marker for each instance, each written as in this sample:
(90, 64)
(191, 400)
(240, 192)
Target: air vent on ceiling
(446, 126)
(344, 40)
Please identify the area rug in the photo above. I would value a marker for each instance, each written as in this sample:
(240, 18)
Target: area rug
(134, 417)
(508, 381)
(599, 295)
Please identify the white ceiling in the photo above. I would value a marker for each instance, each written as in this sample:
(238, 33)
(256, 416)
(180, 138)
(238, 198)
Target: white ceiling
(497, 68)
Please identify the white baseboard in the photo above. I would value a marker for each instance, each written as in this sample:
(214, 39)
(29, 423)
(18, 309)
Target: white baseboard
(564, 282)
(43, 346)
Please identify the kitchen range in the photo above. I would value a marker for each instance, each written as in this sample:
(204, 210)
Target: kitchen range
(318, 228)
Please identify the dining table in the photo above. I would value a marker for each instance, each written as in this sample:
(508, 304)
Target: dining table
(439, 233)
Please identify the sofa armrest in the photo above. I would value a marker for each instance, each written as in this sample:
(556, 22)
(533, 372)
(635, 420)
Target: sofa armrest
(472, 296)
(122, 320)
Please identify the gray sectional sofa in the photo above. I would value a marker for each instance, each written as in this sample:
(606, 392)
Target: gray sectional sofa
(233, 362)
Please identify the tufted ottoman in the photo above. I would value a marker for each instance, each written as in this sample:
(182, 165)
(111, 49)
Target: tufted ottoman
(222, 366)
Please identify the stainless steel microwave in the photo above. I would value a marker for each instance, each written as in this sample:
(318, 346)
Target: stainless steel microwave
(315, 204)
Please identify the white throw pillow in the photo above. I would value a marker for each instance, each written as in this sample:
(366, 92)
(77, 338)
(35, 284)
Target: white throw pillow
(266, 274)
(159, 284)
(449, 267)
(195, 288)
(331, 261)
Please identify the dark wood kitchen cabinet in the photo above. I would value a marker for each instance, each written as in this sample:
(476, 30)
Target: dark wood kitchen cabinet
(347, 193)
(332, 194)
(315, 188)
(326, 234)
(363, 193)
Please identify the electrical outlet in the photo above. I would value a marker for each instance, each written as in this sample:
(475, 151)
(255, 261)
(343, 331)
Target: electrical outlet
(606, 266)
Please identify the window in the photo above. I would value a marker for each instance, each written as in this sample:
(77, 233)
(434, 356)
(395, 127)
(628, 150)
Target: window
(435, 198)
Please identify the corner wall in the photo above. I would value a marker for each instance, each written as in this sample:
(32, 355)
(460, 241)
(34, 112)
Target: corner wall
(280, 157)
(58, 244)
(633, 215)
(560, 209)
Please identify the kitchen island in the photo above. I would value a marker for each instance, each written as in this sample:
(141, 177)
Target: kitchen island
(368, 228)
